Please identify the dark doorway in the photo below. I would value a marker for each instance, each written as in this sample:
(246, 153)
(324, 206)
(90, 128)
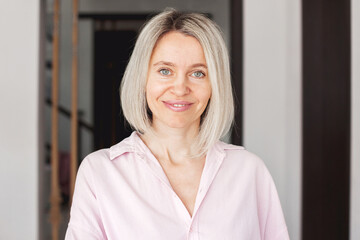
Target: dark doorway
(114, 38)
(236, 54)
(112, 51)
(326, 119)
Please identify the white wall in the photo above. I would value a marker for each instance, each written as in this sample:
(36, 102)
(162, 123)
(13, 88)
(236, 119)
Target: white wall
(19, 121)
(355, 119)
(272, 96)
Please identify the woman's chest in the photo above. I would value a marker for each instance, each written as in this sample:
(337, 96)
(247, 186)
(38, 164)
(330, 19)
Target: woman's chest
(145, 206)
(185, 183)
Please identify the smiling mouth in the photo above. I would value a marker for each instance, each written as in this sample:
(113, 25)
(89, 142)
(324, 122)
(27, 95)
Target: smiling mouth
(178, 107)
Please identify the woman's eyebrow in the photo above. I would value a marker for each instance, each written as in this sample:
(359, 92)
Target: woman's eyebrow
(173, 65)
(164, 63)
(199, 65)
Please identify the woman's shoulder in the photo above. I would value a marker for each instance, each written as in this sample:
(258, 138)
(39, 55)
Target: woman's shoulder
(232, 150)
(245, 164)
(239, 155)
(107, 155)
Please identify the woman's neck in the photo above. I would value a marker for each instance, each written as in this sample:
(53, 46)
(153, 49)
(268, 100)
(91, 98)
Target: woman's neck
(173, 145)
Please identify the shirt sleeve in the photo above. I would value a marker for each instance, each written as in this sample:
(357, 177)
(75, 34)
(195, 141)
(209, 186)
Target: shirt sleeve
(271, 217)
(85, 220)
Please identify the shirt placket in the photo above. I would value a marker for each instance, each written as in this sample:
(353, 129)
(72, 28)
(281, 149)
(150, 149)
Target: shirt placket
(210, 170)
(193, 233)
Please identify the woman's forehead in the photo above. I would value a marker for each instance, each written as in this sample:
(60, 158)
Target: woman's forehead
(178, 48)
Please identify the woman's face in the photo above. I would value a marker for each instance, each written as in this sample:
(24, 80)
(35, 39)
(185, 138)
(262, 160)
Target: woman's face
(178, 87)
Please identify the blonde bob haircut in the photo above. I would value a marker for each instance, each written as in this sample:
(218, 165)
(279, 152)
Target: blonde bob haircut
(218, 115)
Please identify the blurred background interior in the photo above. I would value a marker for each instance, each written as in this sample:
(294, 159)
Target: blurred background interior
(295, 67)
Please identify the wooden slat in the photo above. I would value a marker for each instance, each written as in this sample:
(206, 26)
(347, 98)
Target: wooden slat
(74, 101)
(55, 199)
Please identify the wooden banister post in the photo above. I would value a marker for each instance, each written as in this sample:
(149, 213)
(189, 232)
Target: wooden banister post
(55, 199)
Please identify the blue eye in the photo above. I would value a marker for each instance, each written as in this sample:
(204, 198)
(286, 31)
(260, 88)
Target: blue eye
(198, 74)
(165, 72)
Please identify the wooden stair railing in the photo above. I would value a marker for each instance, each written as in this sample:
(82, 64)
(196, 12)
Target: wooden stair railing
(74, 101)
(55, 199)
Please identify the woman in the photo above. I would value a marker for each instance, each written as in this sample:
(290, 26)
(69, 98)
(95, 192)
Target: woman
(173, 178)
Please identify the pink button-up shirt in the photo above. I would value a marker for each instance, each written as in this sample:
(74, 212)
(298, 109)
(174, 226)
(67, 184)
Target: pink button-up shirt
(123, 193)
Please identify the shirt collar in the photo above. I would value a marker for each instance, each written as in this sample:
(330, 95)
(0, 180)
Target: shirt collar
(129, 144)
(134, 144)
(226, 146)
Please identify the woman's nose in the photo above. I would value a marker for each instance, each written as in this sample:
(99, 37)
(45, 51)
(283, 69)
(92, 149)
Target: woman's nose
(180, 86)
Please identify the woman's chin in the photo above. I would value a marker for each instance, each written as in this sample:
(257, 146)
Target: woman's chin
(178, 124)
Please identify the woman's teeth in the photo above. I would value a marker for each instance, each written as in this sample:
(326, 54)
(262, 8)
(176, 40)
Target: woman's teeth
(178, 105)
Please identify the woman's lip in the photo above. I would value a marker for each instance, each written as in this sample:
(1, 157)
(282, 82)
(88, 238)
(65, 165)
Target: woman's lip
(177, 106)
(177, 102)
